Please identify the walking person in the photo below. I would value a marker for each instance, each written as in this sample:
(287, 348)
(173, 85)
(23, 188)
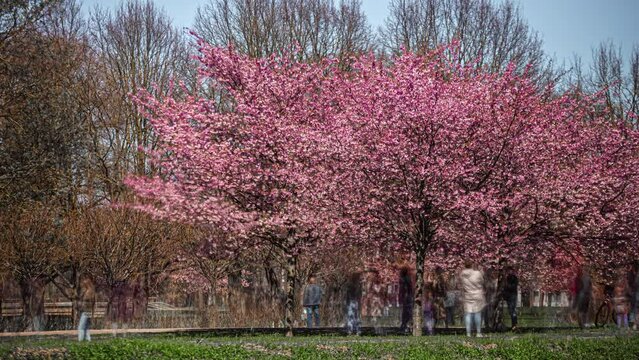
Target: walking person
(509, 295)
(406, 297)
(353, 304)
(377, 301)
(450, 302)
(311, 302)
(86, 307)
(429, 312)
(635, 294)
(621, 304)
(472, 282)
(491, 296)
(439, 293)
(583, 293)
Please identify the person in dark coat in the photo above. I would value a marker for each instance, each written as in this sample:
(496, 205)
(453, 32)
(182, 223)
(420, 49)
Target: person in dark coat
(406, 297)
(353, 304)
(509, 294)
(583, 293)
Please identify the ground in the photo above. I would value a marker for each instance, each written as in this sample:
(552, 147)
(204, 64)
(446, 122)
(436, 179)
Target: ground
(567, 344)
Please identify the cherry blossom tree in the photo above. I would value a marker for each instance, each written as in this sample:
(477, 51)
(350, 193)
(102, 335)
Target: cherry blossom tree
(607, 225)
(420, 157)
(447, 162)
(254, 172)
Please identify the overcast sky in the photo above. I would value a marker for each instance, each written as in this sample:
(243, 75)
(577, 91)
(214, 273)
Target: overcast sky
(567, 26)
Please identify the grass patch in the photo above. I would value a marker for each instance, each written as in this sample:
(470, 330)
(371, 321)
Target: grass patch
(560, 345)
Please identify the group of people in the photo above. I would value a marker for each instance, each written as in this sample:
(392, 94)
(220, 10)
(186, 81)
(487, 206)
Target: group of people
(439, 301)
(358, 301)
(623, 293)
(480, 294)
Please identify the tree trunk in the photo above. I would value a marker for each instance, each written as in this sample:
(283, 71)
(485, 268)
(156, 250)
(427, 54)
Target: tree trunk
(494, 322)
(291, 263)
(75, 314)
(32, 292)
(419, 290)
(75, 299)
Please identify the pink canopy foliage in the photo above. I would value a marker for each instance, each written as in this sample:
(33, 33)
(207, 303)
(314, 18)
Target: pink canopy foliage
(253, 171)
(420, 158)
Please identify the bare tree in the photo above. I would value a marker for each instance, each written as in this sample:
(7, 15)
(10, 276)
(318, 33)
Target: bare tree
(42, 120)
(122, 248)
(618, 79)
(42, 141)
(16, 16)
(489, 34)
(135, 47)
(317, 28)
(30, 246)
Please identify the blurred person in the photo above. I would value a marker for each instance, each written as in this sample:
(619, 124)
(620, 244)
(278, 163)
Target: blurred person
(439, 293)
(583, 293)
(406, 297)
(509, 294)
(472, 282)
(311, 302)
(429, 311)
(450, 301)
(633, 290)
(86, 307)
(377, 299)
(117, 308)
(491, 282)
(138, 301)
(621, 304)
(353, 304)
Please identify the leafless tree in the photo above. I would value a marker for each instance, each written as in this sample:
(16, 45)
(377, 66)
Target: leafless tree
(42, 141)
(491, 34)
(317, 28)
(42, 117)
(30, 246)
(16, 16)
(135, 47)
(124, 249)
(618, 79)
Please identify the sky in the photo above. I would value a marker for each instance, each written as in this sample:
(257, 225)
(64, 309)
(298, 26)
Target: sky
(567, 26)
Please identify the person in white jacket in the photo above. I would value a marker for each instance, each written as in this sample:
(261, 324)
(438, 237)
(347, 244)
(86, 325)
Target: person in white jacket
(472, 282)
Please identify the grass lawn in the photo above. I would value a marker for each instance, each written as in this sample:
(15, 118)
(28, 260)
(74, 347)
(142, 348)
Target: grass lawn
(590, 344)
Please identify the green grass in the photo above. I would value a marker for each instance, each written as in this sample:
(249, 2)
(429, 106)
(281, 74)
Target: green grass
(559, 345)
